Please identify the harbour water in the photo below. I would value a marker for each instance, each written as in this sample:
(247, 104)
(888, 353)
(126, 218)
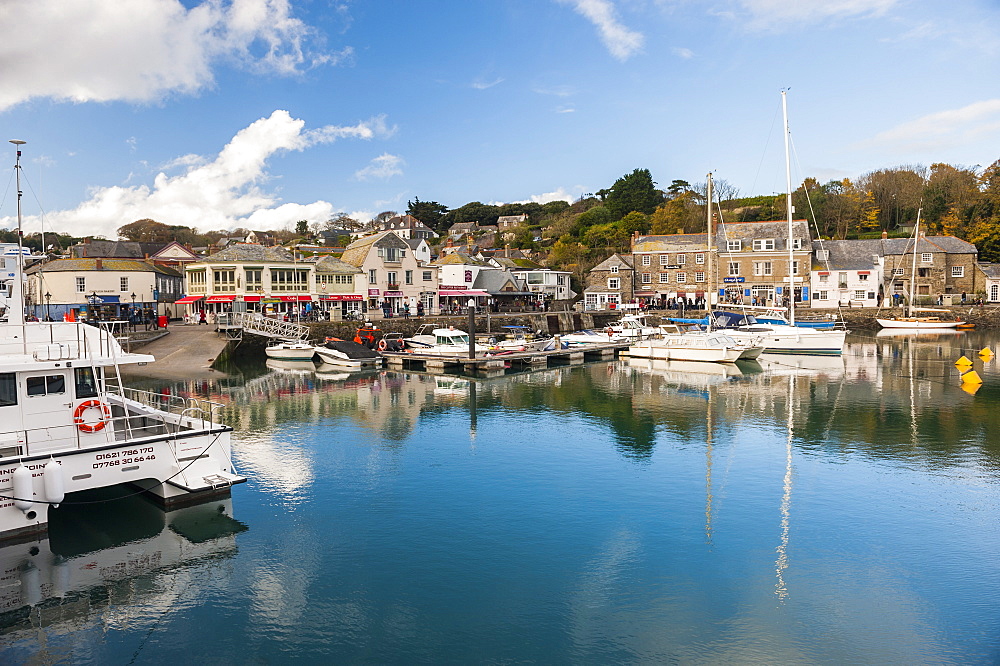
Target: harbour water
(803, 510)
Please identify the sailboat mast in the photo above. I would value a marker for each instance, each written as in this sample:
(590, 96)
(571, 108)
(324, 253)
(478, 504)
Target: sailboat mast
(711, 266)
(913, 266)
(788, 209)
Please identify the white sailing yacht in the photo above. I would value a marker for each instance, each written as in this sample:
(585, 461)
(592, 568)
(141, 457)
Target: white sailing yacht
(786, 338)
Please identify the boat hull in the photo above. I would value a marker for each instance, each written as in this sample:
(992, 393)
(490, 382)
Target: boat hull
(291, 353)
(918, 323)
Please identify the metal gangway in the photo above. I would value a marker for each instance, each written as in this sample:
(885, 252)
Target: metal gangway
(253, 322)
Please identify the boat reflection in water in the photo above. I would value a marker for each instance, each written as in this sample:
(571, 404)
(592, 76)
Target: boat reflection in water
(101, 543)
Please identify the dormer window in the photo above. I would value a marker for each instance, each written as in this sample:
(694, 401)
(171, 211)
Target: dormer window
(763, 244)
(614, 269)
(796, 243)
(734, 246)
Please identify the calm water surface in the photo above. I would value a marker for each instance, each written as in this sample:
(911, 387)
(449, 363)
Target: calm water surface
(803, 511)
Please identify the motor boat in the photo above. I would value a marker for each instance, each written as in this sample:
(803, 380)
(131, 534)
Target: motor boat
(635, 327)
(676, 344)
(291, 350)
(589, 336)
(67, 423)
(518, 339)
(348, 354)
(448, 341)
(779, 338)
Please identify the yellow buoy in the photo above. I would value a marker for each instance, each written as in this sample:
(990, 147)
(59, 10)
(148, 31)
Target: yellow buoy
(986, 353)
(971, 388)
(971, 377)
(963, 361)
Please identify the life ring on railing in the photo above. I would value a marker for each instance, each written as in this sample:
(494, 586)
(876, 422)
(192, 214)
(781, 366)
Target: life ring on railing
(382, 346)
(610, 331)
(101, 422)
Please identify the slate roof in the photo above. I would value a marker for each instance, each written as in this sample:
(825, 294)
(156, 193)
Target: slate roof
(356, 252)
(81, 265)
(493, 282)
(458, 259)
(848, 255)
(250, 252)
(947, 244)
(614, 260)
(669, 242)
(328, 264)
(776, 229)
(991, 271)
(117, 249)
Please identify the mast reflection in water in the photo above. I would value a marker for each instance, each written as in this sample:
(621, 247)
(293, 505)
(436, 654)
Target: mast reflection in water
(797, 510)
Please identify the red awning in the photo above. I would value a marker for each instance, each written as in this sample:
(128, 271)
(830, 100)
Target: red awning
(342, 297)
(823, 273)
(251, 299)
(188, 299)
(228, 298)
(864, 272)
(295, 299)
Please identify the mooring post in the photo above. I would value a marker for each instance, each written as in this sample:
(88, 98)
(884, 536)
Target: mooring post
(472, 328)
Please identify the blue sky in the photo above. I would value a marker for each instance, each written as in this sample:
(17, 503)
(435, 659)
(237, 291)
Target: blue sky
(258, 113)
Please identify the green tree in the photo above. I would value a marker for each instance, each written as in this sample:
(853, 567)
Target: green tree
(589, 218)
(633, 192)
(302, 227)
(429, 212)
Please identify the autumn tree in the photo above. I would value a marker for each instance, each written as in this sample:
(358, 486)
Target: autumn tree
(146, 231)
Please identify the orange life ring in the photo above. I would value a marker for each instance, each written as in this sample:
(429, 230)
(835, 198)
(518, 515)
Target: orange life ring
(382, 346)
(101, 422)
(610, 331)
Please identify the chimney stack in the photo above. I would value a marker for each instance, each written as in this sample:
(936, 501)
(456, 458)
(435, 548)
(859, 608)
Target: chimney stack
(100, 264)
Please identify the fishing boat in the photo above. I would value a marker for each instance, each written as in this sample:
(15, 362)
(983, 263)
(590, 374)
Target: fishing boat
(68, 424)
(348, 354)
(448, 341)
(589, 336)
(291, 350)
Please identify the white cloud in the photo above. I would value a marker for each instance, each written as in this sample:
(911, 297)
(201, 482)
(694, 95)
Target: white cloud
(621, 42)
(557, 91)
(955, 127)
(144, 50)
(383, 167)
(218, 193)
(565, 109)
(682, 52)
(772, 13)
(559, 194)
(481, 84)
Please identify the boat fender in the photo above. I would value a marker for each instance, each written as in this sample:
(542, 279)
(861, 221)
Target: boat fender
(52, 481)
(21, 480)
(101, 421)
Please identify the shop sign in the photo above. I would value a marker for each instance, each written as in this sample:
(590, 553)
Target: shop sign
(373, 292)
(732, 280)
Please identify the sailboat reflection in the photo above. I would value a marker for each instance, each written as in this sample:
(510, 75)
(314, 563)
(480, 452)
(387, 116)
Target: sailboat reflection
(88, 552)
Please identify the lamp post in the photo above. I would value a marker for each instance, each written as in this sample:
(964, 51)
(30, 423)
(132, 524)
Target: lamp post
(48, 306)
(472, 328)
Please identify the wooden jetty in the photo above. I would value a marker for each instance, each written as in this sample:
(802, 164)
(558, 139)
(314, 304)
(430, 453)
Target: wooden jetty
(496, 362)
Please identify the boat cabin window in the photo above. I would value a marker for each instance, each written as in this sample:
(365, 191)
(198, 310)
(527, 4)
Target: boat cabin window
(45, 385)
(86, 383)
(8, 389)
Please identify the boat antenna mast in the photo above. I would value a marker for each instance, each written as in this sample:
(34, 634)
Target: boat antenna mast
(789, 211)
(16, 314)
(913, 265)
